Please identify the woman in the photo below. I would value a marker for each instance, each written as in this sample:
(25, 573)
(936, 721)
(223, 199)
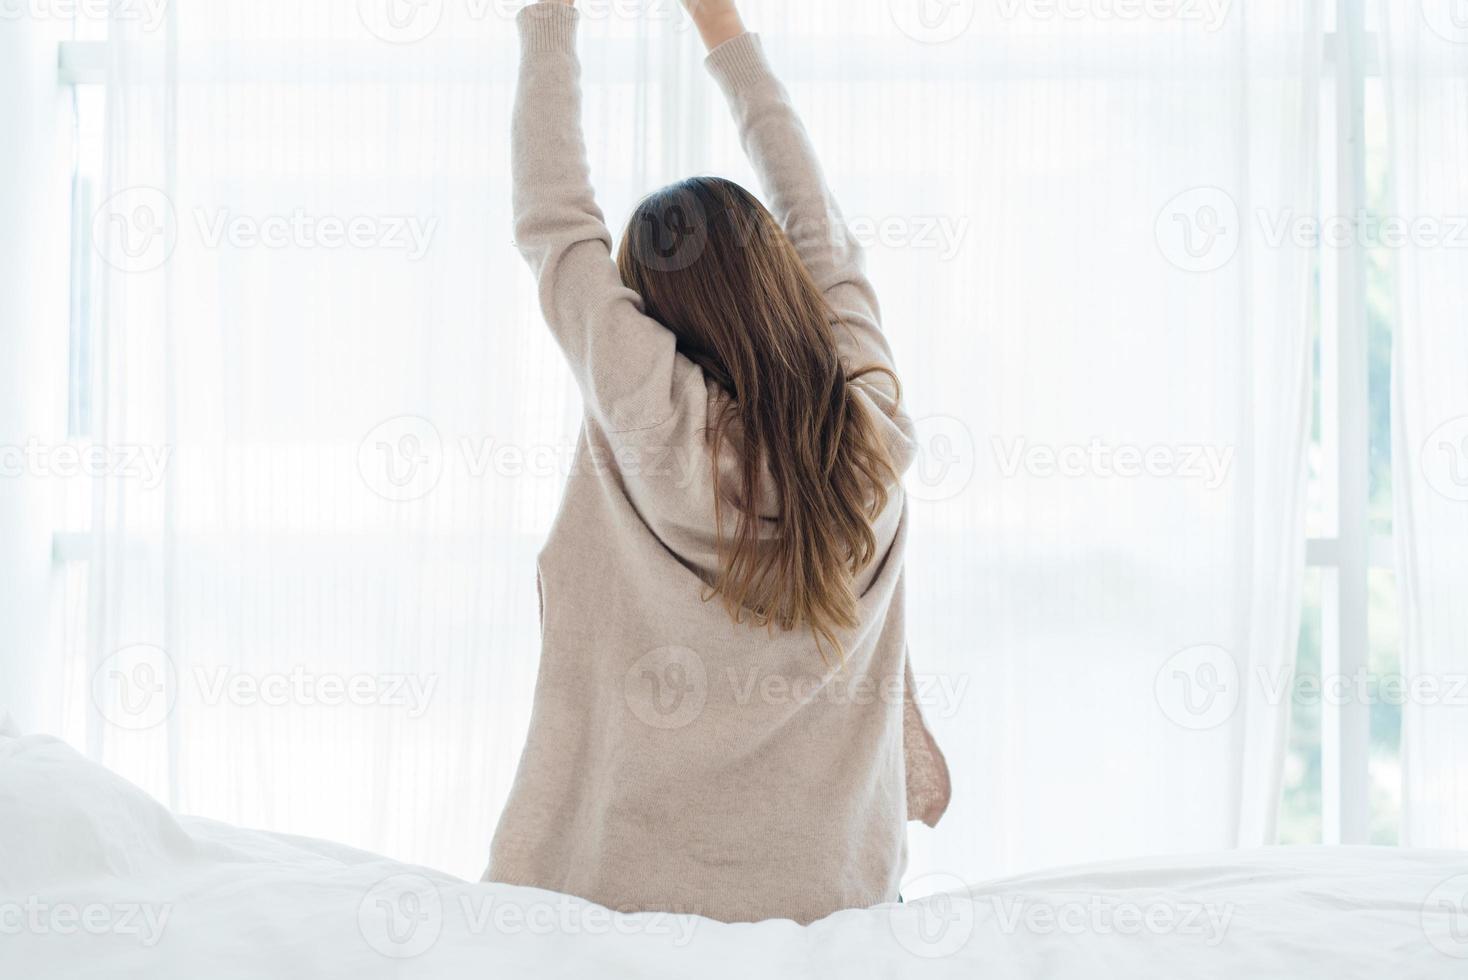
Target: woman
(724, 722)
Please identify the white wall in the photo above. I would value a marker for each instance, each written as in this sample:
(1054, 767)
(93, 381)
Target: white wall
(35, 175)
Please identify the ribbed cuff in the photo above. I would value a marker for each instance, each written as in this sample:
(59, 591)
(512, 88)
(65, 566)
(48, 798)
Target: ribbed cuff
(548, 27)
(738, 62)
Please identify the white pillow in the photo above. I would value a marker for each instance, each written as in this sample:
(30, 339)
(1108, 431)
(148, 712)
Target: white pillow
(72, 820)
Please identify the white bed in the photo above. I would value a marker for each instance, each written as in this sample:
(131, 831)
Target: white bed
(97, 880)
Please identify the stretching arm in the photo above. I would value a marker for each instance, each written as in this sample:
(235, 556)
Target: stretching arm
(626, 364)
(782, 154)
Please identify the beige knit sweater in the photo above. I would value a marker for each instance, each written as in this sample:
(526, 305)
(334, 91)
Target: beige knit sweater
(677, 761)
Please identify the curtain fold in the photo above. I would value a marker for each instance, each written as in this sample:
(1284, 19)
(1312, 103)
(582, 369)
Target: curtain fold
(1427, 97)
(322, 618)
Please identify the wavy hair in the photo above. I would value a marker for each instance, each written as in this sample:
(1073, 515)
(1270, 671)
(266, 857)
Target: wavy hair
(714, 266)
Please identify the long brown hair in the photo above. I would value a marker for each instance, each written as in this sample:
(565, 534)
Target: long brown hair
(714, 266)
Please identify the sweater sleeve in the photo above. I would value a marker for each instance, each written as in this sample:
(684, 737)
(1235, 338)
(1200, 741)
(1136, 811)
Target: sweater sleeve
(626, 364)
(928, 785)
(780, 149)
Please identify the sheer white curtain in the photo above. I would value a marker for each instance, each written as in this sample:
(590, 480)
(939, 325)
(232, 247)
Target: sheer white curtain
(1427, 83)
(1120, 348)
(322, 617)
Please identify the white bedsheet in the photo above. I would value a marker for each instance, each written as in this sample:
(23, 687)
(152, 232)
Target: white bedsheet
(97, 880)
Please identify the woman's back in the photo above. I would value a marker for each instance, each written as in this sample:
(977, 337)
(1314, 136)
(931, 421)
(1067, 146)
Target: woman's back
(679, 760)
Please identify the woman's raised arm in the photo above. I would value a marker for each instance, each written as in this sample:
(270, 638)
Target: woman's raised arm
(626, 365)
(782, 154)
(717, 20)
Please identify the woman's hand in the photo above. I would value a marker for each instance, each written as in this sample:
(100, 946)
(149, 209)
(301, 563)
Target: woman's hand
(717, 20)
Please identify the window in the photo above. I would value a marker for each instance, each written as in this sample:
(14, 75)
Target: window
(1342, 781)
(1342, 772)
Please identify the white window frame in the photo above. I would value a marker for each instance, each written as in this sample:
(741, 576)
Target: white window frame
(1349, 552)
